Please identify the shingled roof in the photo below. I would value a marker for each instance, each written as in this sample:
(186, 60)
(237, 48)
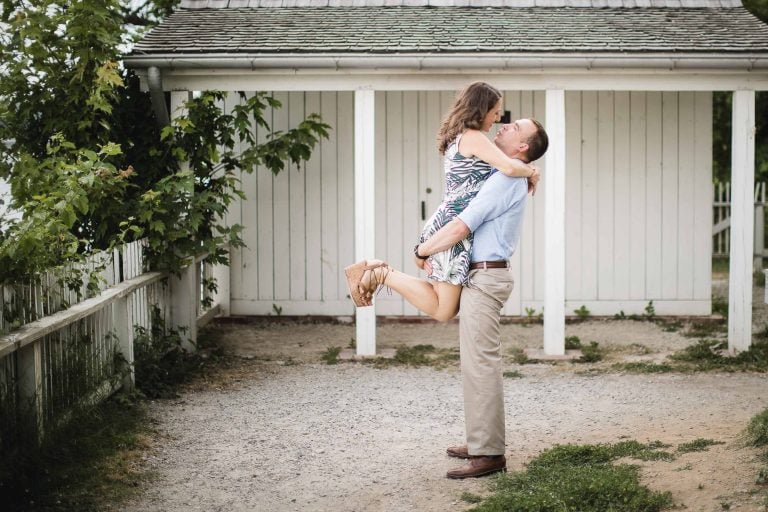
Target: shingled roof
(206, 27)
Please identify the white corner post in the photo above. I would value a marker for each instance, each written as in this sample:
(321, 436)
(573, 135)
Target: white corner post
(742, 222)
(185, 295)
(554, 225)
(365, 204)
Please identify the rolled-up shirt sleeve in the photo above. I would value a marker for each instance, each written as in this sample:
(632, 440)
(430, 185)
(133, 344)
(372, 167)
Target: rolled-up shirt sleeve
(494, 198)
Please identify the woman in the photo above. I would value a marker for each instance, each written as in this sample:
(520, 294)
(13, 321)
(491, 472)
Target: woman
(469, 158)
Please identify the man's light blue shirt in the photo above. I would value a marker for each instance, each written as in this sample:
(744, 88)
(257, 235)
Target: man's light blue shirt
(495, 217)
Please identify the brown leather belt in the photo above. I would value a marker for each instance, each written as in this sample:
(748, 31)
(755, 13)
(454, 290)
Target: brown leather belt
(488, 264)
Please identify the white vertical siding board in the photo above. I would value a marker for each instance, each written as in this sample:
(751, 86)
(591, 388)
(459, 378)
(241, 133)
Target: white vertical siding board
(538, 203)
(385, 305)
(314, 209)
(742, 221)
(531, 230)
(622, 228)
(605, 195)
(329, 226)
(346, 183)
(702, 168)
(410, 187)
(297, 210)
(669, 194)
(554, 229)
(637, 195)
(394, 247)
(265, 242)
(281, 218)
(653, 227)
(514, 304)
(589, 197)
(686, 205)
(573, 204)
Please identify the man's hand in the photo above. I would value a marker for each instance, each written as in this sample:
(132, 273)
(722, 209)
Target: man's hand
(533, 181)
(419, 262)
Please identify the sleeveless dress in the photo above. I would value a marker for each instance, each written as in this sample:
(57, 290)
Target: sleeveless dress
(463, 179)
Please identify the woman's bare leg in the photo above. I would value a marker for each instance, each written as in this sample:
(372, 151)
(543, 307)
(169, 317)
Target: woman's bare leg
(437, 299)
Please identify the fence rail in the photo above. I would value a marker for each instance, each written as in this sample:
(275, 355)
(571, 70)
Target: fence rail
(721, 220)
(61, 347)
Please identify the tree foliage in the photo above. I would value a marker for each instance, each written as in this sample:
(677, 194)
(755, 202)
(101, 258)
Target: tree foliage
(88, 165)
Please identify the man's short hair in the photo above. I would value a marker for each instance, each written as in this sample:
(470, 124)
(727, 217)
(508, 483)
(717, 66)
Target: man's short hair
(537, 143)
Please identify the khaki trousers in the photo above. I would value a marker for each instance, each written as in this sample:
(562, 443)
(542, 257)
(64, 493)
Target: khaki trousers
(480, 343)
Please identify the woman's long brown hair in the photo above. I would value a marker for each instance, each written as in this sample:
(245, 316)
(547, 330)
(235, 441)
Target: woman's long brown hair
(471, 106)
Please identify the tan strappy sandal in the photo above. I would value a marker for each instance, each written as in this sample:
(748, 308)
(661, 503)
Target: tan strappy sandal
(355, 274)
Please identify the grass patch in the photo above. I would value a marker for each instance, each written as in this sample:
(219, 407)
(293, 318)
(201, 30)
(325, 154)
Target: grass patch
(419, 355)
(584, 478)
(469, 497)
(704, 329)
(92, 460)
(643, 367)
(712, 355)
(756, 435)
(513, 374)
(591, 353)
(331, 355)
(697, 445)
(520, 357)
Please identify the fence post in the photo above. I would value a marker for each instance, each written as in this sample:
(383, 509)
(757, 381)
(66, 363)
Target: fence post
(221, 273)
(759, 240)
(30, 361)
(123, 322)
(185, 298)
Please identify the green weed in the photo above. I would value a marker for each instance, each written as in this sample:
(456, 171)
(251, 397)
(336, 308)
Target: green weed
(572, 343)
(583, 478)
(697, 445)
(331, 355)
(583, 313)
(591, 353)
(643, 367)
(513, 374)
(650, 311)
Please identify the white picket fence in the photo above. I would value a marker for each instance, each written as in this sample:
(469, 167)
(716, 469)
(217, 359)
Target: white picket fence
(721, 226)
(61, 348)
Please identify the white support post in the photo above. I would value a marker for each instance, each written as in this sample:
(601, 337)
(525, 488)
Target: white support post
(554, 226)
(123, 321)
(30, 365)
(365, 334)
(742, 220)
(185, 295)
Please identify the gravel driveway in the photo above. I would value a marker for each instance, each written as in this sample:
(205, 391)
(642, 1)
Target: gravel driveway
(283, 432)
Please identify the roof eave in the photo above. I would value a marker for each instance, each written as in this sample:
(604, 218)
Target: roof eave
(424, 61)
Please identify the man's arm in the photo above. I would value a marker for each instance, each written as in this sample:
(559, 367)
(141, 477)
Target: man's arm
(445, 238)
(492, 200)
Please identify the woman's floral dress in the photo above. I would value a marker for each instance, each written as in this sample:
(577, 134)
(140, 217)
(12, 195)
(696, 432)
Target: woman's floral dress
(463, 179)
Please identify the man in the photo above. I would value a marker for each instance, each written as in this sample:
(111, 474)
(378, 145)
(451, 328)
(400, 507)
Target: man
(494, 217)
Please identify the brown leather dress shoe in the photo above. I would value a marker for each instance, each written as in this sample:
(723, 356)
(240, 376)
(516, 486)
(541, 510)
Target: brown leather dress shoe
(460, 452)
(480, 466)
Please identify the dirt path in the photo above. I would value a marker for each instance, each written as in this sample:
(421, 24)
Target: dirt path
(284, 432)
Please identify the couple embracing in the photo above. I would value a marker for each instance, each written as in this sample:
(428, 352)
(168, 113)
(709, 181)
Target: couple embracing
(465, 248)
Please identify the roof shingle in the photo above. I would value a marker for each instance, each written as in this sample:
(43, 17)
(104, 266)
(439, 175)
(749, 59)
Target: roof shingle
(405, 29)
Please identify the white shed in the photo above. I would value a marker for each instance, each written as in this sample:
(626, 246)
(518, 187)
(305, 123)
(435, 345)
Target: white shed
(623, 87)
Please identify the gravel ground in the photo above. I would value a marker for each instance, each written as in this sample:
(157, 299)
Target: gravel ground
(282, 432)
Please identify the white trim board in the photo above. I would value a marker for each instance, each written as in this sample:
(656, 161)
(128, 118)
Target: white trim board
(233, 80)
